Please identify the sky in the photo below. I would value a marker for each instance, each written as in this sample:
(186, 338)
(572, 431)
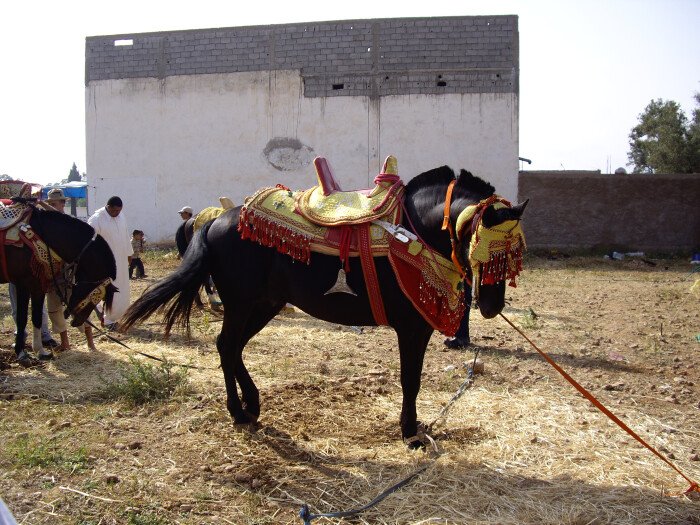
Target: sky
(587, 69)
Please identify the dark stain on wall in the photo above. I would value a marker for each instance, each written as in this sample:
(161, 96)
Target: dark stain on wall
(288, 154)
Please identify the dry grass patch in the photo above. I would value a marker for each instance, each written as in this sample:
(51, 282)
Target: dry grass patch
(521, 447)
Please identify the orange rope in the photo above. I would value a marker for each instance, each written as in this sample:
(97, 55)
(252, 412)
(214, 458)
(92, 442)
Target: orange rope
(694, 487)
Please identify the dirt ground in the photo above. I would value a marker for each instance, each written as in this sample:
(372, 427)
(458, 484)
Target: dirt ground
(520, 447)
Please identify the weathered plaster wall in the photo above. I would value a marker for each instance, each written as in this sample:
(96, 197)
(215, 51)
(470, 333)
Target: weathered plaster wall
(184, 117)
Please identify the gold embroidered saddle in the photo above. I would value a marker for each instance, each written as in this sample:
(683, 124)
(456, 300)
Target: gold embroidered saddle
(327, 205)
(299, 222)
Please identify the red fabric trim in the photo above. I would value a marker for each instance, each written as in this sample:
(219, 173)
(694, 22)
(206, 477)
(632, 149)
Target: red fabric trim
(259, 228)
(344, 248)
(430, 300)
(371, 279)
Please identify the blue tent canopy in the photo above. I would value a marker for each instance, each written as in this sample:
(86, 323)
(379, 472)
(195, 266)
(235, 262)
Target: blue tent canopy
(70, 189)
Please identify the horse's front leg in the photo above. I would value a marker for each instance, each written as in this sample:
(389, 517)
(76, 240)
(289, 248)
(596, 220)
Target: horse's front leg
(412, 345)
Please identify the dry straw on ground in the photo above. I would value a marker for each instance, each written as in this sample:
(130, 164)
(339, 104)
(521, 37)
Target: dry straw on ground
(520, 447)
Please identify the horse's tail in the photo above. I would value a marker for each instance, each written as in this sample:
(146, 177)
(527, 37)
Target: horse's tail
(175, 294)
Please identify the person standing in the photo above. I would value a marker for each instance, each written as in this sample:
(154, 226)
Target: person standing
(185, 213)
(56, 200)
(137, 244)
(110, 223)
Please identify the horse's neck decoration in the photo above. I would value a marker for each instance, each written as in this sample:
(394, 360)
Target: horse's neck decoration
(495, 252)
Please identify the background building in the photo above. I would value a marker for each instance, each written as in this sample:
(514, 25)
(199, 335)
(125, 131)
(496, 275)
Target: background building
(182, 117)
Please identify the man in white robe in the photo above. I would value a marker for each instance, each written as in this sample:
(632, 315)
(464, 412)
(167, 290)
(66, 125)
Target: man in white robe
(110, 223)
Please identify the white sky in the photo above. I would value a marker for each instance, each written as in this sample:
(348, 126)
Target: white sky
(587, 68)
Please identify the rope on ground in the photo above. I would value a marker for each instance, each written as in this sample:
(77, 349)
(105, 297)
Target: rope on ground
(423, 435)
(144, 354)
(305, 513)
(694, 487)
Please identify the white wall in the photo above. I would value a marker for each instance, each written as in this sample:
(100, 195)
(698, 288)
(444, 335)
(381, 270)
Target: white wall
(186, 140)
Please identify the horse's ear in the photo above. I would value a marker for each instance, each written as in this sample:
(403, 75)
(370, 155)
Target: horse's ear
(493, 216)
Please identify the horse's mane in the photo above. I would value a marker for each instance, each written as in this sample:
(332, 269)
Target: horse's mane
(467, 185)
(436, 177)
(63, 219)
(473, 185)
(84, 230)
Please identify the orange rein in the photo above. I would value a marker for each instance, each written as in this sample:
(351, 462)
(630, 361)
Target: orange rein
(447, 225)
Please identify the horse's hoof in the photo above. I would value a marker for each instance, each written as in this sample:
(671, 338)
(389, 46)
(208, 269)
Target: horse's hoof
(246, 420)
(250, 427)
(45, 357)
(50, 343)
(457, 343)
(414, 443)
(26, 360)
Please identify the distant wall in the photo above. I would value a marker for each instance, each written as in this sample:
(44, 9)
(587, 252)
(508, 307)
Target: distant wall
(621, 212)
(182, 117)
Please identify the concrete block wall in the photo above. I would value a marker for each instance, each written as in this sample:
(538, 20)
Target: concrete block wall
(378, 57)
(584, 210)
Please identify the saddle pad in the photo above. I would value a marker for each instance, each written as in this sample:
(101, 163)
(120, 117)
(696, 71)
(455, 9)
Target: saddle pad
(349, 207)
(206, 215)
(432, 284)
(11, 215)
(269, 217)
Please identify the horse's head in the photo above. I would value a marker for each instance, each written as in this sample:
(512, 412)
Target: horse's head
(89, 267)
(491, 239)
(93, 270)
(485, 240)
(85, 296)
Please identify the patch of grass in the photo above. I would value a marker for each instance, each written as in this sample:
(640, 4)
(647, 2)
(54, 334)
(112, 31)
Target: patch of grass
(529, 319)
(142, 382)
(28, 453)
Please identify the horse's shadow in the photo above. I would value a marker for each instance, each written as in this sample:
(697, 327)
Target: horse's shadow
(492, 491)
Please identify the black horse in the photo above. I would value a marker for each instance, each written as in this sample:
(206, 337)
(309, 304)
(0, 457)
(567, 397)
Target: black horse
(183, 236)
(255, 282)
(84, 280)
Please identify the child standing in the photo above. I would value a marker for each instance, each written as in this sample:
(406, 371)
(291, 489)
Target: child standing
(137, 243)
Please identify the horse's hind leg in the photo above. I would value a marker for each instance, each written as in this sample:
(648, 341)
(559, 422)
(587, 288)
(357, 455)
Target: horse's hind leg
(237, 330)
(226, 345)
(249, 392)
(21, 302)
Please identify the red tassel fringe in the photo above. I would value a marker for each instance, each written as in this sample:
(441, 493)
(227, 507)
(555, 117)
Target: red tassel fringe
(261, 229)
(503, 266)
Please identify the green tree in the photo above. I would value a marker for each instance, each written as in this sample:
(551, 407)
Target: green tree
(694, 137)
(664, 141)
(74, 174)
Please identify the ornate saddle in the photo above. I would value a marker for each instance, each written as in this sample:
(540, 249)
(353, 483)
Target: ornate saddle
(12, 213)
(327, 205)
(16, 231)
(300, 222)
